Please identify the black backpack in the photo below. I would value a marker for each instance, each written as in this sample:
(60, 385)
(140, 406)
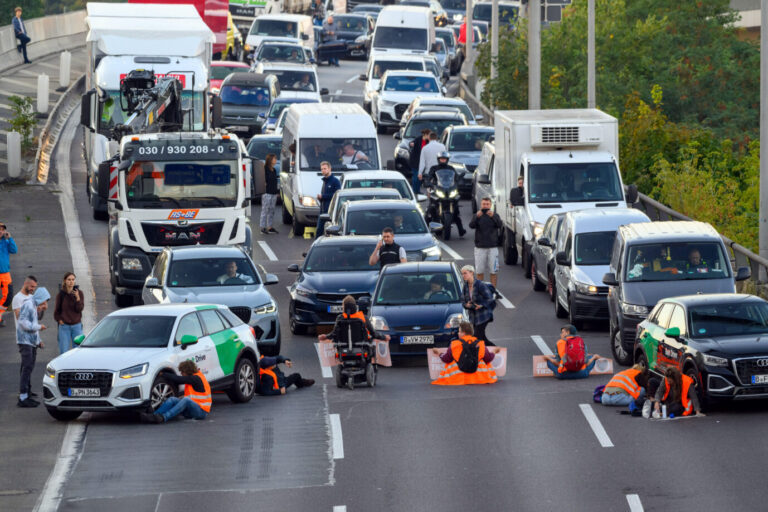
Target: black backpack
(469, 358)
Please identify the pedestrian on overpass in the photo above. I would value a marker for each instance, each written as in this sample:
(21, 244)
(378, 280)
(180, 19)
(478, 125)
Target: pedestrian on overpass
(272, 381)
(7, 247)
(487, 225)
(572, 360)
(197, 400)
(20, 31)
(467, 360)
(626, 387)
(479, 301)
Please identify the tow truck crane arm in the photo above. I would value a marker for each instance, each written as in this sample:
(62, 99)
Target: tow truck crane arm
(153, 105)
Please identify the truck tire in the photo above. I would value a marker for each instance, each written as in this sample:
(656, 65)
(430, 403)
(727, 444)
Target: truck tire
(298, 227)
(63, 415)
(510, 251)
(526, 261)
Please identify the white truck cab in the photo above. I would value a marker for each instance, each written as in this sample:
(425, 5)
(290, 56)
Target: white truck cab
(404, 29)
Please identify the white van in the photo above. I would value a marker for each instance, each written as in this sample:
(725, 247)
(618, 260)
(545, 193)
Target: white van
(339, 133)
(380, 64)
(404, 29)
(281, 27)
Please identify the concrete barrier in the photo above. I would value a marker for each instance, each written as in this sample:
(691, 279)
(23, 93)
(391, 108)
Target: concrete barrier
(50, 34)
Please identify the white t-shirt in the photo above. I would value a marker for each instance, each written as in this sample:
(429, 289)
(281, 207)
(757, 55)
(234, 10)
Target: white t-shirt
(243, 277)
(18, 300)
(357, 156)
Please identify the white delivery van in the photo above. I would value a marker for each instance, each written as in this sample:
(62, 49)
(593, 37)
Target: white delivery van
(404, 29)
(281, 27)
(339, 133)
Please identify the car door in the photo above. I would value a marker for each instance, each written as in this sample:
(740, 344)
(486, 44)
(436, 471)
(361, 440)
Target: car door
(562, 272)
(672, 350)
(189, 325)
(540, 253)
(220, 342)
(650, 338)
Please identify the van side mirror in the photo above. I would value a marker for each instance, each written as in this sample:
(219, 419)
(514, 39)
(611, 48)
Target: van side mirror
(78, 340)
(562, 259)
(609, 279)
(364, 77)
(743, 273)
(364, 302)
(333, 230)
(187, 340)
(293, 267)
(479, 118)
(397, 136)
(305, 37)
(216, 115)
(324, 91)
(672, 332)
(544, 241)
(632, 194)
(151, 282)
(271, 279)
(435, 227)
(484, 179)
(85, 110)
(104, 176)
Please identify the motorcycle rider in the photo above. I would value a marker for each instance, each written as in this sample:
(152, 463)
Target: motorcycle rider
(431, 179)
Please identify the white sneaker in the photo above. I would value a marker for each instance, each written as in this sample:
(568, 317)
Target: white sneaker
(656, 415)
(647, 409)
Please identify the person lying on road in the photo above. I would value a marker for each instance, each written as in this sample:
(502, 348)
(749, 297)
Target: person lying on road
(272, 381)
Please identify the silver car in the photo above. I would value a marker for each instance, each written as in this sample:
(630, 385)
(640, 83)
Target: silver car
(217, 275)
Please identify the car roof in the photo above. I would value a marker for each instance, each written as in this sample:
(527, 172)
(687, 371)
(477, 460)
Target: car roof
(393, 204)
(470, 128)
(164, 309)
(372, 175)
(246, 78)
(229, 64)
(712, 298)
(413, 267)
(193, 252)
(346, 240)
(605, 219)
(369, 191)
(399, 57)
(291, 100)
(669, 231)
(263, 136)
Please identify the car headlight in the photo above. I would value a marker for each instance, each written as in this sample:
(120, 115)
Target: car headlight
(360, 39)
(432, 252)
(454, 321)
(453, 193)
(308, 201)
(379, 323)
(269, 307)
(305, 292)
(586, 288)
(715, 361)
(50, 372)
(130, 263)
(247, 47)
(634, 309)
(537, 229)
(458, 17)
(134, 371)
(403, 153)
(440, 193)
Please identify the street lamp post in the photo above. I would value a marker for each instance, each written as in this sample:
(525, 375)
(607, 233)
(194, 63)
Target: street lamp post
(534, 54)
(494, 39)
(591, 103)
(763, 217)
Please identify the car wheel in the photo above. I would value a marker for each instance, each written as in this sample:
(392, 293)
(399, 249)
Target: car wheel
(339, 376)
(295, 327)
(287, 217)
(351, 382)
(370, 375)
(560, 311)
(298, 228)
(510, 252)
(245, 382)
(60, 415)
(551, 285)
(474, 206)
(161, 390)
(577, 323)
(526, 263)
(537, 285)
(619, 354)
(641, 358)
(123, 301)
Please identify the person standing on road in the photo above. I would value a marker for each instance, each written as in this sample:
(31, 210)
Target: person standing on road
(626, 387)
(272, 381)
(330, 185)
(7, 247)
(479, 302)
(329, 34)
(387, 251)
(467, 361)
(269, 197)
(197, 400)
(27, 290)
(28, 329)
(428, 157)
(20, 31)
(487, 225)
(415, 146)
(571, 350)
(68, 312)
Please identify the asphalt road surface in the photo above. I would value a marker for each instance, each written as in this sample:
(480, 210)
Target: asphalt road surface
(522, 444)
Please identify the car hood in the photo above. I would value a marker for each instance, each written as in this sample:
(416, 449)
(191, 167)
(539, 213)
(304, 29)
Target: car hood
(751, 345)
(590, 274)
(650, 292)
(245, 295)
(466, 157)
(348, 36)
(405, 96)
(415, 242)
(299, 94)
(340, 282)
(417, 314)
(106, 358)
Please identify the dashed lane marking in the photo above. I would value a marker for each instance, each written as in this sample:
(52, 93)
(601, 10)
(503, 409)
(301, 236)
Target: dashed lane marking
(597, 427)
(352, 78)
(338, 442)
(340, 508)
(327, 373)
(505, 302)
(543, 347)
(267, 250)
(450, 251)
(634, 503)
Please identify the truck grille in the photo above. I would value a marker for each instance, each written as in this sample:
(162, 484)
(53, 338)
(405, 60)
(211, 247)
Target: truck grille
(85, 379)
(746, 368)
(243, 313)
(162, 235)
(560, 134)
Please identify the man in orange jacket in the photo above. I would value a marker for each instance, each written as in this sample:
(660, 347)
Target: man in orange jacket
(557, 363)
(467, 361)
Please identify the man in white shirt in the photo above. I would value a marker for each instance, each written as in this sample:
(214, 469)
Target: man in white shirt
(27, 290)
(232, 273)
(351, 156)
(429, 154)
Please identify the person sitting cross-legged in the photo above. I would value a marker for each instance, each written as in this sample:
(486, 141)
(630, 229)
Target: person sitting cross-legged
(467, 361)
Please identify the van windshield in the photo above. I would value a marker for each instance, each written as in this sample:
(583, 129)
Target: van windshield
(274, 28)
(454, 4)
(572, 183)
(677, 261)
(348, 153)
(594, 248)
(381, 66)
(400, 38)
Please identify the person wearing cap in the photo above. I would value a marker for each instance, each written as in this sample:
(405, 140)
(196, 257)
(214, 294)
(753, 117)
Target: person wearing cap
(479, 302)
(556, 363)
(7, 247)
(28, 329)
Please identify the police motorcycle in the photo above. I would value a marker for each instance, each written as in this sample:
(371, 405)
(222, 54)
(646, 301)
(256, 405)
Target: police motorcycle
(443, 194)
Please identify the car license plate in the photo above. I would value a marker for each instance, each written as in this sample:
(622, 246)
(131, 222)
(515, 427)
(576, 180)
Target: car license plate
(417, 340)
(760, 379)
(88, 392)
(335, 309)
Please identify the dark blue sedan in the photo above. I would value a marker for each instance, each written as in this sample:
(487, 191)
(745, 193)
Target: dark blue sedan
(419, 305)
(333, 268)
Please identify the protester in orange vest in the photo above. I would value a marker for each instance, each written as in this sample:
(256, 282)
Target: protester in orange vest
(272, 381)
(350, 311)
(571, 349)
(626, 387)
(196, 403)
(677, 392)
(467, 361)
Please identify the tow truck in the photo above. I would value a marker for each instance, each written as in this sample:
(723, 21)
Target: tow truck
(168, 187)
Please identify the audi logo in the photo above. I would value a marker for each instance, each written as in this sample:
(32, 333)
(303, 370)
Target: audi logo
(83, 376)
(762, 363)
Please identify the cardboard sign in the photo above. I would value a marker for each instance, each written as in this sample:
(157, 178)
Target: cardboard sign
(326, 351)
(436, 365)
(603, 366)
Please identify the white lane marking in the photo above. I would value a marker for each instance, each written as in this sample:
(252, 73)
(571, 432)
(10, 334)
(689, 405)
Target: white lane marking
(338, 92)
(327, 373)
(340, 508)
(338, 442)
(74, 438)
(597, 427)
(353, 78)
(267, 250)
(634, 503)
(543, 347)
(504, 301)
(450, 251)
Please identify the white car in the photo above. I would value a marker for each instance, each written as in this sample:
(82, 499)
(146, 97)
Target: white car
(296, 80)
(396, 91)
(380, 64)
(119, 365)
(382, 179)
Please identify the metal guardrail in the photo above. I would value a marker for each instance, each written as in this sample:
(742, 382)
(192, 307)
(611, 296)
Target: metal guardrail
(475, 105)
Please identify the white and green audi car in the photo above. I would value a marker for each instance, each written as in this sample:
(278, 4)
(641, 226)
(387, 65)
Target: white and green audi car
(118, 366)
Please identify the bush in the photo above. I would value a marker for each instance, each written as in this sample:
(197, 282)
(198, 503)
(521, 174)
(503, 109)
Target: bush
(23, 120)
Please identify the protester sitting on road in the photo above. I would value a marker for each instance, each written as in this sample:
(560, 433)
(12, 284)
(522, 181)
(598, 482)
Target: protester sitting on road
(232, 273)
(272, 381)
(626, 387)
(350, 311)
(197, 400)
(677, 392)
(467, 361)
(572, 360)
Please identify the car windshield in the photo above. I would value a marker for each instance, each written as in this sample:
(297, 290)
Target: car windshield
(401, 38)
(482, 11)
(677, 261)
(454, 4)
(244, 95)
(731, 319)
(398, 184)
(381, 66)
(181, 184)
(569, 183)
(356, 24)
(274, 28)
(140, 331)
(341, 153)
(340, 258)
(373, 221)
(416, 126)
(594, 248)
(211, 272)
(221, 72)
(417, 288)
(469, 141)
(295, 81)
(281, 52)
(364, 196)
(411, 84)
(447, 38)
(260, 148)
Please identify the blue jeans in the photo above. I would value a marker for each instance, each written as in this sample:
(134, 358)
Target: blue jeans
(415, 181)
(623, 399)
(66, 334)
(173, 406)
(581, 374)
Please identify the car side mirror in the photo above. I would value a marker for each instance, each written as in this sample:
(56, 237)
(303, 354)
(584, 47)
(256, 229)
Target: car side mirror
(672, 332)
(743, 273)
(217, 120)
(397, 136)
(263, 115)
(544, 241)
(293, 267)
(151, 282)
(444, 90)
(324, 217)
(271, 279)
(305, 37)
(364, 302)
(364, 78)
(421, 198)
(609, 279)
(333, 230)
(78, 340)
(479, 118)
(187, 340)
(435, 227)
(324, 91)
(562, 259)
(632, 194)
(484, 179)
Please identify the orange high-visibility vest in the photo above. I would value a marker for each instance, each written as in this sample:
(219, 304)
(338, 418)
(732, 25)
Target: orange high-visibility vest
(269, 371)
(626, 380)
(202, 399)
(561, 346)
(453, 376)
(360, 316)
(687, 405)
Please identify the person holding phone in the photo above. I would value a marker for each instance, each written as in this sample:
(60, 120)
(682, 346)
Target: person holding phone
(487, 225)
(7, 247)
(68, 312)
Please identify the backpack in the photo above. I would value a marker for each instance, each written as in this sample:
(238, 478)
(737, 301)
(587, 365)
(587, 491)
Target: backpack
(597, 396)
(469, 358)
(575, 354)
(494, 292)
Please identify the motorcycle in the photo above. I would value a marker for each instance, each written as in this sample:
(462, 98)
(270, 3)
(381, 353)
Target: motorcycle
(444, 199)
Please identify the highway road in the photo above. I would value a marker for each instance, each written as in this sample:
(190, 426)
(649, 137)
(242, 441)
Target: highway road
(522, 444)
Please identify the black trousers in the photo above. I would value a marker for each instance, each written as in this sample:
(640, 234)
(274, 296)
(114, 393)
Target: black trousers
(28, 358)
(294, 379)
(480, 333)
(23, 40)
